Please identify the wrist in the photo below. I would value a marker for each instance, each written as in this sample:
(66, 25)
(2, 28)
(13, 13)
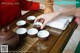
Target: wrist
(60, 12)
(57, 13)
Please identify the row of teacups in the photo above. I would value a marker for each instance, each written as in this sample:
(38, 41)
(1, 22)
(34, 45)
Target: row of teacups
(33, 32)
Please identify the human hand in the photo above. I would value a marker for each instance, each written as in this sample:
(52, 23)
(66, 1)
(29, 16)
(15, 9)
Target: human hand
(47, 17)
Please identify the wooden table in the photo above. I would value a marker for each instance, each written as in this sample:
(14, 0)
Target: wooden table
(56, 41)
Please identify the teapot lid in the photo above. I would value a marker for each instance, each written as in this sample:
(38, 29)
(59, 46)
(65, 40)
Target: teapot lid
(6, 33)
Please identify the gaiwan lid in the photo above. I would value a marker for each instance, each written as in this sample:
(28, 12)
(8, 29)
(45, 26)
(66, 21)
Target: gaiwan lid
(5, 34)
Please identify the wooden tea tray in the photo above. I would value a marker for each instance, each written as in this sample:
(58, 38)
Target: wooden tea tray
(55, 44)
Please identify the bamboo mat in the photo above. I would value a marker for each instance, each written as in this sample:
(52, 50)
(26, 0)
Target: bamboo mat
(26, 44)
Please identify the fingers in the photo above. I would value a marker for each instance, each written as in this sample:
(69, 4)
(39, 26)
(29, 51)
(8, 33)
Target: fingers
(44, 24)
(41, 19)
(36, 19)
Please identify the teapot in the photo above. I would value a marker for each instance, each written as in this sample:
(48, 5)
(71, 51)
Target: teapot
(8, 37)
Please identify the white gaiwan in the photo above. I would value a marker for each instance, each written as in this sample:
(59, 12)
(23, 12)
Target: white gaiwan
(32, 32)
(21, 23)
(31, 19)
(43, 34)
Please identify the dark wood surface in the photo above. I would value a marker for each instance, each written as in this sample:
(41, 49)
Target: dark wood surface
(55, 43)
(63, 39)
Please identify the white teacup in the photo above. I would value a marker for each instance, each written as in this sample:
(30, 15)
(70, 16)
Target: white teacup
(22, 32)
(32, 32)
(37, 25)
(31, 19)
(21, 23)
(43, 34)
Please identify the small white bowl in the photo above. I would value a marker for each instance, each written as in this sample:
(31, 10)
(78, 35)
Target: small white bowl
(31, 18)
(21, 31)
(21, 23)
(32, 32)
(43, 34)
